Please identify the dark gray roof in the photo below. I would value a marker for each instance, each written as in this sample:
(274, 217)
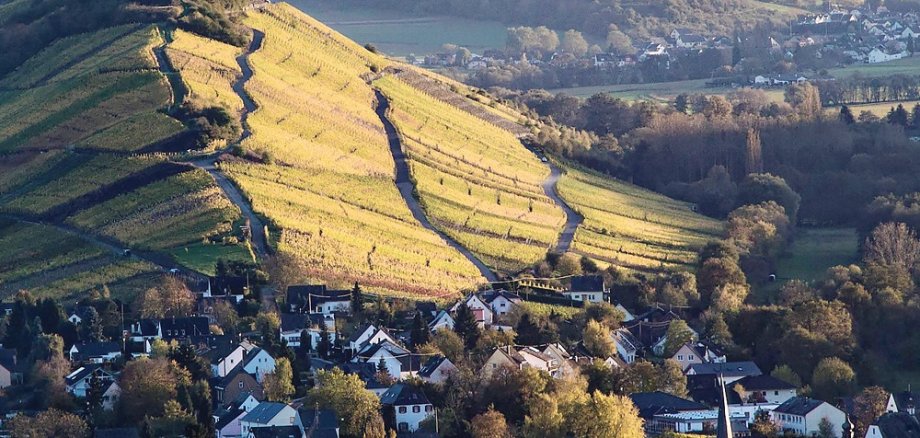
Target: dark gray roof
(587, 283)
(228, 285)
(431, 365)
(898, 425)
(800, 406)
(227, 417)
(121, 432)
(728, 369)
(325, 418)
(97, 349)
(8, 360)
(276, 432)
(357, 333)
(300, 295)
(303, 321)
(650, 404)
(182, 327)
(906, 400)
(402, 394)
(85, 372)
(763, 383)
(426, 307)
(264, 412)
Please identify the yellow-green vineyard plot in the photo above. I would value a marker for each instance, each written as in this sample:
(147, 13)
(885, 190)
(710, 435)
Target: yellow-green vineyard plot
(178, 210)
(92, 175)
(633, 227)
(17, 170)
(347, 228)
(27, 249)
(315, 109)
(117, 275)
(125, 48)
(155, 126)
(207, 67)
(477, 182)
(61, 114)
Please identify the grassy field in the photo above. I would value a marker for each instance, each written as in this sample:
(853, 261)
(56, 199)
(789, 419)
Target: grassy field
(815, 250)
(477, 182)
(906, 66)
(395, 34)
(631, 227)
(330, 189)
(662, 92)
(203, 257)
(879, 109)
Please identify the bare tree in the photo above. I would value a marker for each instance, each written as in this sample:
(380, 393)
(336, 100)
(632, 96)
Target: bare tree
(893, 244)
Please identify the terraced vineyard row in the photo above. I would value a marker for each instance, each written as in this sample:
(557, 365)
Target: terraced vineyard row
(207, 67)
(476, 181)
(330, 191)
(632, 227)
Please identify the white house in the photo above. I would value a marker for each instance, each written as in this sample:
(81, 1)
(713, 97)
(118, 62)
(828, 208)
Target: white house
(408, 406)
(79, 381)
(803, 415)
(698, 352)
(397, 360)
(442, 320)
(294, 324)
(257, 362)
(110, 395)
(501, 302)
(315, 298)
(368, 335)
(878, 55)
(481, 310)
(221, 365)
(908, 33)
(437, 369)
(269, 414)
(95, 352)
(765, 389)
(227, 423)
(627, 345)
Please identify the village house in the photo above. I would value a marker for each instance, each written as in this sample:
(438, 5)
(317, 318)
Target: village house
(396, 359)
(627, 345)
(269, 414)
(764, 389)
(111, 392)
(698, 352)
(406, 406)
(294, 324)
(587, 288)
(729, 371)
(803, 415)
(436, 369)
(257, 361)
(481, 311)
(78, 382)
(443, 320)
(276, 432)
(519, 358)
(317, 299)
(10, 368)
(501, 302)
(227, 419)
(894, 425)
(652, 404)
(367, 335)
(321, 423)
(169, 328)
(235, 383)
(94, 352)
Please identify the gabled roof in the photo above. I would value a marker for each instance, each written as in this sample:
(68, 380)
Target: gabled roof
(83, 373)
(402, 394)
(728, 369)
(276, 432)
(800, 406)
(764, 382)
(97, 349)
(431, 365)
(370, 350)
(442, 317)
(701, 348)
(301, 321)
(315, 294)
(626, 339)
(898, 425)
(650, 404)
(587, 283)
(324, 418)
(227, 380)
(491, 295)
(228, 417)
(264, 412)
(358, 333)
(427, 307)
(189, 326)
(252, 353)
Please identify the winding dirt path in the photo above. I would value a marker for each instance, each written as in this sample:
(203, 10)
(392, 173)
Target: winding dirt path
(207, 163)
(572, 218)
(406, 188)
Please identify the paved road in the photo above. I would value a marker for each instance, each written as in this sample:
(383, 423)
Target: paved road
(405, 186)
(239, 87)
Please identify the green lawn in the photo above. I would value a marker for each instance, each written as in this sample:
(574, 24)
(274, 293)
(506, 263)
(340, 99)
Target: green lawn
(397, 34)
(815, 250)
(907, 66)
(203, 258)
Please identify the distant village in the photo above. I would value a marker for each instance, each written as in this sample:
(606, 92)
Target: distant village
(803, 51)
(725, 398)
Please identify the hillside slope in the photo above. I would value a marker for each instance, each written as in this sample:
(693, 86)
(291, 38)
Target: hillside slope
(362, 169)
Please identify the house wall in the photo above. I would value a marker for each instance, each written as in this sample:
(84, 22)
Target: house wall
(591, 297)
(778, 396)
(334, 306)
(260, 365)
(440, 375)
(287, 417)
(686, 356)
(394, 367)
(496, 361)
(232, 429)
(6, 378)
(834, 415)
(241, 383)
(222, 368)
(407, 419)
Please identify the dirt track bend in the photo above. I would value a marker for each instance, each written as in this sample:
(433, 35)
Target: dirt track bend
(405, 186)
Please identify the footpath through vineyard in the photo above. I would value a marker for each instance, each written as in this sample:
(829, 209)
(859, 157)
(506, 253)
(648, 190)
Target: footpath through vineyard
(572, 219)
(207, 163)
(406, 188)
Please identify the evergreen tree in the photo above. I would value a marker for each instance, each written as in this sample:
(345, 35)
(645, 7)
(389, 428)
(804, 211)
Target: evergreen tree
(911, 46)
(736, 54)
(466, 326)
(324, 345)
(357, 300)
(94, 395)
(915, 117)
(528, 333)
(306, 343)
(846, 116)
(898, 116)
(420, 334)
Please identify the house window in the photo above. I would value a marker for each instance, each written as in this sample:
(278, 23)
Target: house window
(680, 357)
(690, 357)
(241, 384)
(403, 427)
(428, 408)
(416, 409)
(775, 392)
(402, 409)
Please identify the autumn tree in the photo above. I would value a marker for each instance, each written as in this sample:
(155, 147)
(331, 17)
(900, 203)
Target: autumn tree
(757, 188)
(893, 244)
(172, 298)
(868, 405)
(832, 378)
(806, 100)
(489, 424)
(678, 334)
(279, 384)
(753, 159)
(597, 340)
(606, 416)
(145, 386)
(345, 394)
(48, 424)
(544, 420)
